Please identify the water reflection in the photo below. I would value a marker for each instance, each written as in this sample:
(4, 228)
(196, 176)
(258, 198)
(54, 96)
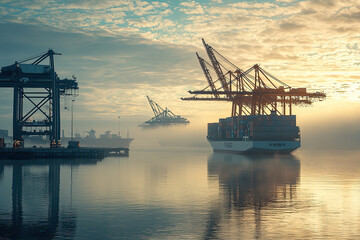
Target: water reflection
(1, 171)
(183, 195)
(35, 196)
(249, 183)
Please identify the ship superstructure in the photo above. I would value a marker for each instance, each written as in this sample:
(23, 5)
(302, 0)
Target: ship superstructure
(261, 116)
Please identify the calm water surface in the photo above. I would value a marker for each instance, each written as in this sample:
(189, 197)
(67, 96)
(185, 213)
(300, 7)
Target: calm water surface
(183, 194)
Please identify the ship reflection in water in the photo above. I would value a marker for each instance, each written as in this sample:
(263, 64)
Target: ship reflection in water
(34, 196)
(249, 185)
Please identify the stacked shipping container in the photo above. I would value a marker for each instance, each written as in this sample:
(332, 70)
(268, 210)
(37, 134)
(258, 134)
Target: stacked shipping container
(2, 143)
(255, 127)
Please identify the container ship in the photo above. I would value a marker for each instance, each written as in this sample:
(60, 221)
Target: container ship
(255, 134)
(261, 117)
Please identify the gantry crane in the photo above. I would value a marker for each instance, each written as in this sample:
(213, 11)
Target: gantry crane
(42, 88)
(252, 92)
(163, 116)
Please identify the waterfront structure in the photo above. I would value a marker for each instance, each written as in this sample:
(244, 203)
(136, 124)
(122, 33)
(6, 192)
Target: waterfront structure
(261, 107)
(42, 88)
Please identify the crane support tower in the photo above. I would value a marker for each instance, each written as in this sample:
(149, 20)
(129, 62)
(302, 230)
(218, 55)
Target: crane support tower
(252, 92)
(37, 88)
(163, 117)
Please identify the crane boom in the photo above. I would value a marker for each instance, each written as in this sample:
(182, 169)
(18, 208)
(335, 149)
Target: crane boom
(155, 107)
(207, 74)
(216, 66)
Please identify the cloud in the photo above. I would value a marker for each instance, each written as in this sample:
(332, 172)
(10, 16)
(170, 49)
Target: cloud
(191, 8)
(252, 5)
(354, 46)
(289, 26)
(324, 3)
(286, 1)
(307, 11)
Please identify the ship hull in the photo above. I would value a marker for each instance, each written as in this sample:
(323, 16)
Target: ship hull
(255, 147)
(85, 142)
(99, 142)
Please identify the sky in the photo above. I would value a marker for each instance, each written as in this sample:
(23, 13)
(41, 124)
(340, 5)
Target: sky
(121, 51)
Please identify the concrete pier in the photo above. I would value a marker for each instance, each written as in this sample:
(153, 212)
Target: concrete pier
(50, 153)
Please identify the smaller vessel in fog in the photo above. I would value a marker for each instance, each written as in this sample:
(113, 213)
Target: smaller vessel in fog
(107, 140)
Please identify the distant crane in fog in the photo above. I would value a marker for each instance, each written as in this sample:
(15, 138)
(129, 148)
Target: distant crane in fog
(163, 117)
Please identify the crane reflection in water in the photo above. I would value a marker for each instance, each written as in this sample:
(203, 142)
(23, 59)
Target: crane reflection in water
(35, 196)
(249, 184)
